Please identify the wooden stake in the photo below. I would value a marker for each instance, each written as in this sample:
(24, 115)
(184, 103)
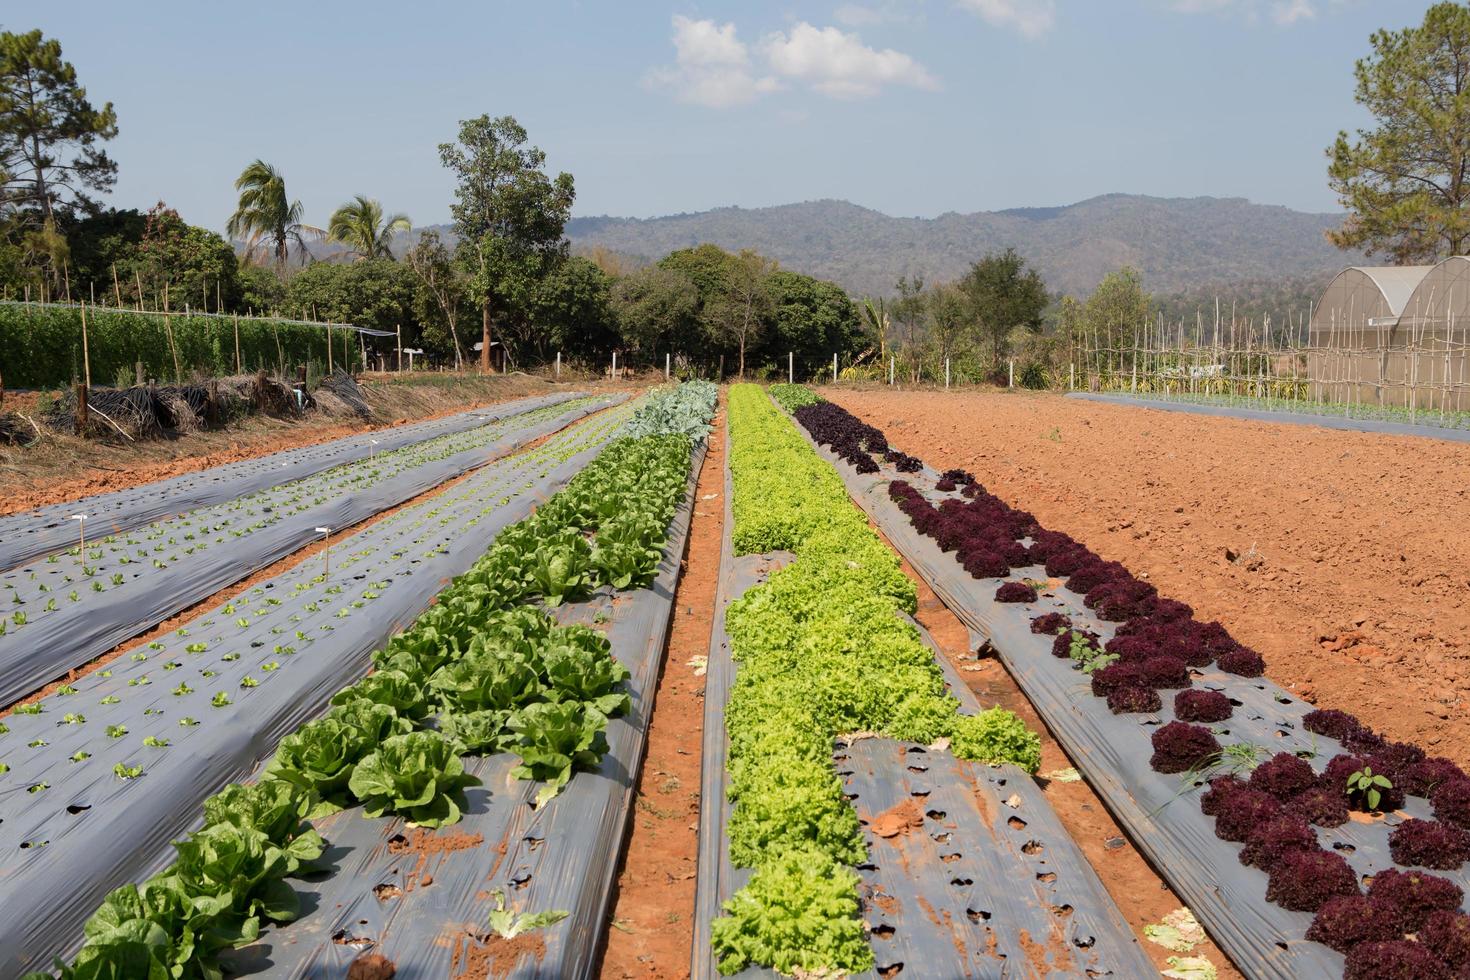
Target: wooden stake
(236, 319)
(86, 355)
(116, 286)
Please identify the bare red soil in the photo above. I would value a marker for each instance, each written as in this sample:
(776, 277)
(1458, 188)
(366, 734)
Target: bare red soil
(652, 925)
(1340, 556)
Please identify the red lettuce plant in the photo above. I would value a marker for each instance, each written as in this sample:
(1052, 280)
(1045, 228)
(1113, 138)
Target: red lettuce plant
(1240, 811)
(1304, 881)
(1015, 592)
(1202, 706)
(1319, 805)
(1221, 788)
(1414, 895)
(1451, 803)
(1425, 776)
(1178, 746)
(1348, 920)
(1283, 776)
(1447, 935)
(1397, 959)
(1272, 839)
(1330, 723)
(1166, 672)
(1133, 700)
(1429, 844)
(1242, 661)
(1050, 623)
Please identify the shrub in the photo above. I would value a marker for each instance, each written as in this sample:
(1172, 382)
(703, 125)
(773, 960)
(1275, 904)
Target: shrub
(1202, 706)
(1133, 700)
(1398, 959)
(1304, 881)
(1179, 746)
(1414, 895)
(1283, 776)
(1429, 844)
(1344, 922)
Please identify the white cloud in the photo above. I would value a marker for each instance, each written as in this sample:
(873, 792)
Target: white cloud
(1029, 18)
(1283, 13)
(1288, 12)
(839, 64)
(877, 12)
(712, 66)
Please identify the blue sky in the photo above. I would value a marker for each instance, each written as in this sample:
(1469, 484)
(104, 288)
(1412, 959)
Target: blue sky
(912, 107)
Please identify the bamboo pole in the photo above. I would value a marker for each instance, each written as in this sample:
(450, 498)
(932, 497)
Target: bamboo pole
(236, 320)
(86, 354)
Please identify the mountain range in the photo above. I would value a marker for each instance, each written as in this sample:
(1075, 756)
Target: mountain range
(1178, 244)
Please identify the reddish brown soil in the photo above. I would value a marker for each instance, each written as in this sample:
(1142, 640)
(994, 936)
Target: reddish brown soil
(1140, 894)
(63, 468)
(901, 818)
(1340, 556)
(653, 915)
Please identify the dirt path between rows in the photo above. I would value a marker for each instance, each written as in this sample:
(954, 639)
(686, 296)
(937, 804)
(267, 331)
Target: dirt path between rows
(651, 931)
(1340, 556)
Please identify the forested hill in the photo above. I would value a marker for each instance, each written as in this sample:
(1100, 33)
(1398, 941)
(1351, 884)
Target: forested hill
(1178, 243)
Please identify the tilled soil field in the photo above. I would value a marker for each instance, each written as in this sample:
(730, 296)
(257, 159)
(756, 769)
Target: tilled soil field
(1340, 556)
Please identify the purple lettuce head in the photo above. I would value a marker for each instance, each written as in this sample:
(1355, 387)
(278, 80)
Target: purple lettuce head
(1396, 959)
(1283, 776)
(1429, 844)
(1114, 676)
(1202, 706)
(1179, 747)
(1221, 788)
(1134, 700)
(1414, 895)
(1272, 839)
(1452, 803)
(1425, 776)
(1348, 920)
(1050, 623)
(1242, 661)
(1447, 936)
(1015, 592)
(1320, 806)
(1330, 723)
(1241, 811)
(1303, 881)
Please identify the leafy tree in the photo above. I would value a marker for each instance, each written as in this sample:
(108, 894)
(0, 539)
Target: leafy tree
(441, 301)
(706, 266)
(508, 213)
(50, 133)
(182, 265)
(948, 320)
(740, 313)
(909, 311)
(376, 293)
(810, 319)
(265, 218)
(359, 224)
(572, 309)
(1117, 309)
(657, 309)
(1406, 184)
(259, 290)
(876, 323)
(1003, 294)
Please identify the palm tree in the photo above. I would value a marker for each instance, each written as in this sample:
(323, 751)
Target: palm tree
(359, 224)
(264, 218)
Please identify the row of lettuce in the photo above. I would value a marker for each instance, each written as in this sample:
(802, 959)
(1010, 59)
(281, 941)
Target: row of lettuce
(822, 651)
(1408, 922)
(483, 670)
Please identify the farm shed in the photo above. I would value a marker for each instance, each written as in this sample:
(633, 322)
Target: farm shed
(1394, 335)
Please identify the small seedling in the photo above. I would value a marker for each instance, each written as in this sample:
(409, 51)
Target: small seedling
(508, 924)
(1369, 785)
